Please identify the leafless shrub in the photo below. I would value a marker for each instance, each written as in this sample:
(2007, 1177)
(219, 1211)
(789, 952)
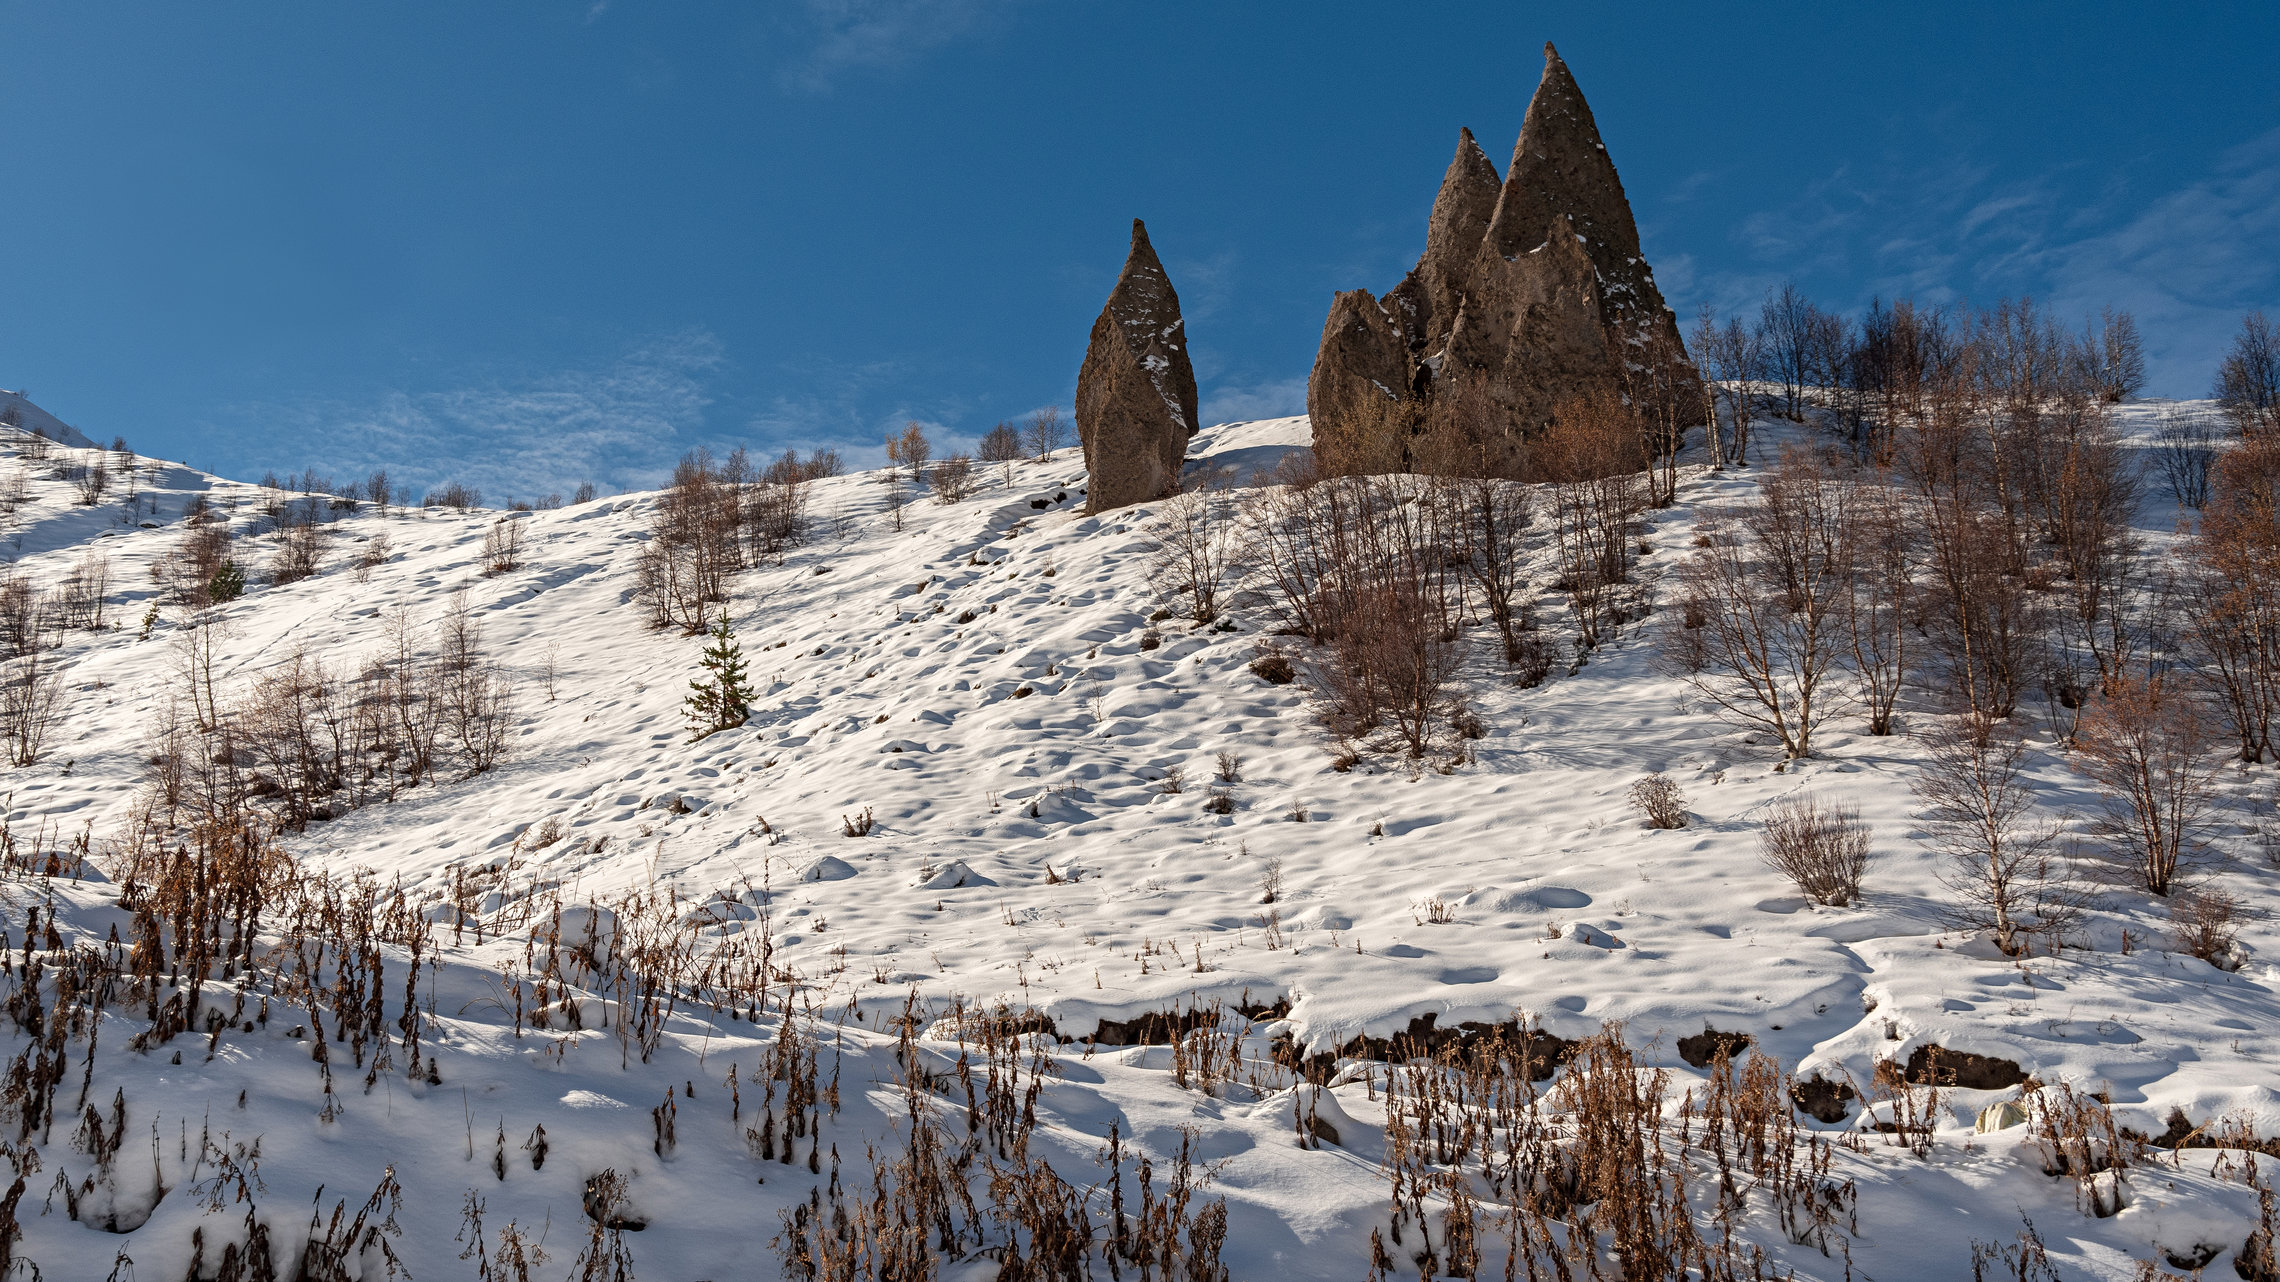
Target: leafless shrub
(857, 827)
(300, 552)
(454, 495)
(1822, 848)
(1658, 798)
(1219, 801)
(953, 479)
(502, 546)
(1174, 780)
(24, 618)
(1434, 911)
(2003, 867)
(1592, 455)
(1769, 594)
(1270, 880)
(2206, 924)
(374, 555)
(1230, 766)
(1194, 549)
(2147, 746)
(78, 600)
(585, 493)
(31, 693)
(91, 480)
(189, 570)
(1001, 445)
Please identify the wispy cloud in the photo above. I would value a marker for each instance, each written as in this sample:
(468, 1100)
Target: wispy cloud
(512, 433)
(2186, 261)
(1273, 398)
(837, 37)
(854, 407)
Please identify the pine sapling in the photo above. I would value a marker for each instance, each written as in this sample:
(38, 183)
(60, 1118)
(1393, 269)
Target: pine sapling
(722, 698)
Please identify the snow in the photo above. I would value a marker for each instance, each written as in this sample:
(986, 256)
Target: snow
(31, 418)
(1027, 852)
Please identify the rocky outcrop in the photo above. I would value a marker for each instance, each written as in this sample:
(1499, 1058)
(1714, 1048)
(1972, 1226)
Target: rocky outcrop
(1532, 291)
(1136, 401)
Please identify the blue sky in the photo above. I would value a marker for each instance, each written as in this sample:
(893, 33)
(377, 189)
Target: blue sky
(528, 244)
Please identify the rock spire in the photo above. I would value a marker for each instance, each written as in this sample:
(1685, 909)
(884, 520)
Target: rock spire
(1136, 400)
(1532, 290)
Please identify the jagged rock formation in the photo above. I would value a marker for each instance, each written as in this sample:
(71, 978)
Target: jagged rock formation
(1531, 291)
(1136, 402)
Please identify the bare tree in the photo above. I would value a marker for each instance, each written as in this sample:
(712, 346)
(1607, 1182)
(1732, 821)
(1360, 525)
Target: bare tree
(1769, 596)
(1592, 455)
(2229, 588)
(2004, 869)
(31, 692)
(1785, 325)
(693, 546)
(2147, 746)
(1001, 445)
(2185, 450)
(2113, 355)
(2248, 380)
(1194, 549)
(1733, 357)
(1881, 558)
(1489, 519)
(910, 451)
(1044, 432)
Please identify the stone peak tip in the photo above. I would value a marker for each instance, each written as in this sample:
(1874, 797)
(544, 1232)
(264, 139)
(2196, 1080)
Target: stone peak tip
(1551, 55)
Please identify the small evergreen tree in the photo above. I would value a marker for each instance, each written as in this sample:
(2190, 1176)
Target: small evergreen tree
(721, 699)
(227, 585)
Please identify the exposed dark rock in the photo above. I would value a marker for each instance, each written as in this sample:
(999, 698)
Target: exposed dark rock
(1163, 1027)
(1703, 1049)
(1531, 292)
(1540, 1053)
(1821, 1099)
(1136, 399)
(1933, 1065)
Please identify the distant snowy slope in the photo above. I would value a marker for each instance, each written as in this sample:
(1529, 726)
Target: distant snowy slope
(32, 418)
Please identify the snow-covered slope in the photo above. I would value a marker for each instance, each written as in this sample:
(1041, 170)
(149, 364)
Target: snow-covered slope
(988, 684)
(32, 418)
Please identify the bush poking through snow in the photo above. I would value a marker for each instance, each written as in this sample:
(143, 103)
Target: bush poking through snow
(502, 547)
(1658, 798)
(860, 827)
(2206, 924)
(1822, 848)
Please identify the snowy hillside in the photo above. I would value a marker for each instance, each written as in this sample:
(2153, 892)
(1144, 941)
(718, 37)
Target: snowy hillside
(1078, 805)
(14, 408)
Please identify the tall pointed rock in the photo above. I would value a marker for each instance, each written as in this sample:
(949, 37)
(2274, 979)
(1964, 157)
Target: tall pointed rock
(1560, 169)
(1531, 291)
(1136, 399)
(1461, 214)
